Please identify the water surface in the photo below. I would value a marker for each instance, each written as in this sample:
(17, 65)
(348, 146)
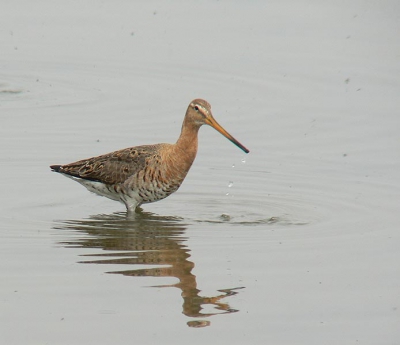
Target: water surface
(296, 242)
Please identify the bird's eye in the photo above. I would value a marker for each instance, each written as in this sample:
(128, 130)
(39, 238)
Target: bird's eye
(196, 108)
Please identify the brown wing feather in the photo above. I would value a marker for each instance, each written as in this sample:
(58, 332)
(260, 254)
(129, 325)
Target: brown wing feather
(114, 167)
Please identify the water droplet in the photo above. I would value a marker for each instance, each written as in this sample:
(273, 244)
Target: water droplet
(227, 194)
(244, 160)
(225, 217)
(233, 165)
(230, 184)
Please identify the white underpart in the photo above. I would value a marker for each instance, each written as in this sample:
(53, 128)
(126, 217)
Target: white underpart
(131, 200)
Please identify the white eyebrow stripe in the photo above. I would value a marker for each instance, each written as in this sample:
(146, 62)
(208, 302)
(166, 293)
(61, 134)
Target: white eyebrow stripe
(199, 106)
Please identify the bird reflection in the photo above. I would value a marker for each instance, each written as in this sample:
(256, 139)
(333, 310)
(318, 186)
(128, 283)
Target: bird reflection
(147, 240)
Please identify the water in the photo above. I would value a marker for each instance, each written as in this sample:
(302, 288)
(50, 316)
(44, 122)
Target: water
(305, 247)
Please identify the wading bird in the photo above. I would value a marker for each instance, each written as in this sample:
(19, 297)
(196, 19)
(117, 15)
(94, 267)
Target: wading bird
(143, 174)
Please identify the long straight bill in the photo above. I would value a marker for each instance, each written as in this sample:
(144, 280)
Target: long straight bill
(219, 128)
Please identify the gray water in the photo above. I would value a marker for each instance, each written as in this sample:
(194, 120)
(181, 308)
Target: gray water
(294, 243)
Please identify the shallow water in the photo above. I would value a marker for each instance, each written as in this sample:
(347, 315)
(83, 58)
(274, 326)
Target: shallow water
(296, 242)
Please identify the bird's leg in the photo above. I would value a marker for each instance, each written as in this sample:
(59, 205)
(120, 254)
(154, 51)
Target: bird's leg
(131, 208)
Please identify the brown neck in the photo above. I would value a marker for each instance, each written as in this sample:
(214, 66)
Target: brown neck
(188, 141)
